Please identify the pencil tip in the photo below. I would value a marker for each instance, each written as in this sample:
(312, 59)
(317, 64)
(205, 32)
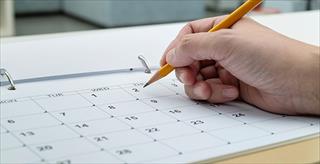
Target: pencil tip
(145, 85)
(154, 78)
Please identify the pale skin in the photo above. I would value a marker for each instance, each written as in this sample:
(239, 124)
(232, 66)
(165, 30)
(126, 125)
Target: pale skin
(249, 62)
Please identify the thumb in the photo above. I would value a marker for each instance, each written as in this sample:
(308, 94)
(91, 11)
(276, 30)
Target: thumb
(200, 46)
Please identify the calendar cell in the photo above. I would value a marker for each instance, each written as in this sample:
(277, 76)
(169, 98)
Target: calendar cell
(241, 105)
(119, 139)
(143, 152)
(168, 102)
(63, 102)
(213, 122)
(149, 92)
(169, 130)
(126, 108)
(9, 141)
(227, 108)
(311, 120)
(251, 116)
(96, 157)
(19, 108)
(43, 135)
(194, 142)
(108, 96)
(239, 133)
(82, 114)
(283, 124)
(99, 126)
(146, 119)
(29, 122)
(189, 112)
(64, 148)
(175, 86)
(10, 156)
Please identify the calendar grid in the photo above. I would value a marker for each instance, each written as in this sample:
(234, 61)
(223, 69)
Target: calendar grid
(166, 122)
(7, 131)
(155, 140)
(22, 143)
(80, 135)
(244, 123)
(202, 131)
(132, 128)
(137, 99)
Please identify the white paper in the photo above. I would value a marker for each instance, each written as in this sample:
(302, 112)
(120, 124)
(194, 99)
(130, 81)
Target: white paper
(112, 119)
(92, 51)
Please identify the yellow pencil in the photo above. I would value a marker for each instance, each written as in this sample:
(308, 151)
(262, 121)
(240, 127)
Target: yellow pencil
(226, 23)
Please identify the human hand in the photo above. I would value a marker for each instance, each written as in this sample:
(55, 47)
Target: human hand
(248, 61)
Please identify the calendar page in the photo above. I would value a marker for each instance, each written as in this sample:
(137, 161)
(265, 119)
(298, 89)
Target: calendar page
(112, 119)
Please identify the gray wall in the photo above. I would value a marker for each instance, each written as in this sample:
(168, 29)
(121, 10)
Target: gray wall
(133, 12)
(34, 6)
(130, 12)
(118, 12)
(287, 5)
(315, 4)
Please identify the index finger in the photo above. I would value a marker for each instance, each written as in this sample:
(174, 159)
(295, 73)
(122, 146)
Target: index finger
(202, 25)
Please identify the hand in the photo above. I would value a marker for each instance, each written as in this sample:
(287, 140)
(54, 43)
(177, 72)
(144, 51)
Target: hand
(248, 61)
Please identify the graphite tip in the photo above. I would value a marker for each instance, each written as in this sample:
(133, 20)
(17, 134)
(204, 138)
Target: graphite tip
(145, 85)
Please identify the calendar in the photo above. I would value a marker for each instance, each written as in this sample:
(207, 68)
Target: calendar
(112, 119)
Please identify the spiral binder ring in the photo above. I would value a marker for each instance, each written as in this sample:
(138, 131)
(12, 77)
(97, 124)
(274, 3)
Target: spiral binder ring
(144, 64)
(5, 73)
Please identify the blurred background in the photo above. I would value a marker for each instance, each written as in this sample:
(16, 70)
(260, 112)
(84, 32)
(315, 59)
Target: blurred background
(29, 17)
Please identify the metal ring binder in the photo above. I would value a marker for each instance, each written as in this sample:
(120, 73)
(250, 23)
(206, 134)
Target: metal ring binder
(144, 63)
(4, 72)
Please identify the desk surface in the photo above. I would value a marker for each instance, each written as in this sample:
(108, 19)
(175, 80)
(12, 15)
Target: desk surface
(92, 46)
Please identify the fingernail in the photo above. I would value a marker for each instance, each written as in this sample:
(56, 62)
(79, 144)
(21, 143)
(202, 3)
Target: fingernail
(229, 92)
(198, 92)
(182, 78)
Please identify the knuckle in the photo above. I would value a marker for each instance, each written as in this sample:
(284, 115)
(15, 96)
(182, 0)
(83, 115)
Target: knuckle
(224, 36)
(185, 42)
(224, 43)
(186, 29)
(188, 25)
